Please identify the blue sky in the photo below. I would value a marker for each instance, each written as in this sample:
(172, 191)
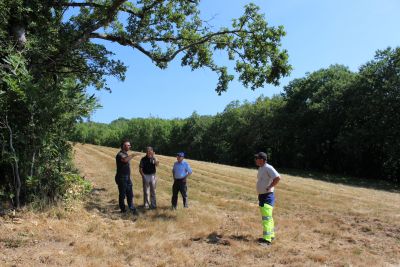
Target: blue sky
(319, 33)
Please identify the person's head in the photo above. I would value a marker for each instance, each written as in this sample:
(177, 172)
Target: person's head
(149, 151)
(125, 145)
(260, 158)
(180, 156)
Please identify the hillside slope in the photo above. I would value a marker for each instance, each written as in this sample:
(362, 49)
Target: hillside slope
(317, 223)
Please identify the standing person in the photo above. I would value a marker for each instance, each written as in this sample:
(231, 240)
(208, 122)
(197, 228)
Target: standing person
(147, 169)
(123, 177)
(181, 171)
(267, 179)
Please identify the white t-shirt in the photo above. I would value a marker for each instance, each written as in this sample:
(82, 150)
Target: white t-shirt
(266, 174)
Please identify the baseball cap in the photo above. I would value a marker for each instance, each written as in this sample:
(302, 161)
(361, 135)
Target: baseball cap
(180, 154)
(261, 155)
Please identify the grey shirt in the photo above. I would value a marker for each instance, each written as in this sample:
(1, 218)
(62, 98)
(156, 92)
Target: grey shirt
(266, 174)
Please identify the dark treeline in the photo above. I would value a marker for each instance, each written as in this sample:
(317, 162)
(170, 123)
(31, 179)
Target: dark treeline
(332, 120)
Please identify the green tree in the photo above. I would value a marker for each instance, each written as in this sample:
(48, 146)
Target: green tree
(312, 117)
(370, 137)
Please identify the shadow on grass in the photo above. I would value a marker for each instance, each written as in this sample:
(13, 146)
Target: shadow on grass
(110, 209)
(219, 239)
(346, 180)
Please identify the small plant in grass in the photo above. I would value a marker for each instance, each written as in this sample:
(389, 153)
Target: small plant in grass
(74, 188)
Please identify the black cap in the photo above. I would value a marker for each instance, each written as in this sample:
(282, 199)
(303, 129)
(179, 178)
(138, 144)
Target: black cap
(261, 155)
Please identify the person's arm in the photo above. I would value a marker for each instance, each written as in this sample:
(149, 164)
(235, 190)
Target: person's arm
(188, 170)
(127, 159)
(274, 183)
(173, 172)
(141, 168)
(156, 162)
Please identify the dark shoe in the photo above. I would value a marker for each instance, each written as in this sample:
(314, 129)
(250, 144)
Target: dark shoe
(153, 207)
(186, 206)
(123, 211)
(133, 211)
(264, 242)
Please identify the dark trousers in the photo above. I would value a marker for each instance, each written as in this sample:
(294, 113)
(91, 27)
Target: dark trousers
(267, 198)
(179, 186)
(125, 190)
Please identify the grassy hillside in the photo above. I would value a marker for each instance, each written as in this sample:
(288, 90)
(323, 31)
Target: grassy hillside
(317, 223)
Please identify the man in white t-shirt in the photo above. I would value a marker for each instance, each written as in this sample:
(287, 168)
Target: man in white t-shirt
(267, 179)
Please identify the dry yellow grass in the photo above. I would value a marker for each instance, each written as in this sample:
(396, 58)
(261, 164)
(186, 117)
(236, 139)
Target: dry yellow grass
(318, 223)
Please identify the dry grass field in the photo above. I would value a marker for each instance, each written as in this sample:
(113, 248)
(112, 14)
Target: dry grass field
(317, 223)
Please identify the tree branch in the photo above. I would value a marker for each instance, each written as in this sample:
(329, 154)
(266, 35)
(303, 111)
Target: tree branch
(85, 4)
(127, 42)
(111, 12)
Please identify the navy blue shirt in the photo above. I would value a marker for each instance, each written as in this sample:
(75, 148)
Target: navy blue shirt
(123, 169)
(148, 165)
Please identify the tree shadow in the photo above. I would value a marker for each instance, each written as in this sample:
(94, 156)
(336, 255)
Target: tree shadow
(384, 185)
(241, 238)
(214, 238)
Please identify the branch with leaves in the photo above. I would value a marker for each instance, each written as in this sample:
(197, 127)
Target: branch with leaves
(163, 30)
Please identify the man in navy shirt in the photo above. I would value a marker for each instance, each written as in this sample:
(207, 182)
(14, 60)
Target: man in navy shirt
(147, 169)
(181, 171)
(123, 177)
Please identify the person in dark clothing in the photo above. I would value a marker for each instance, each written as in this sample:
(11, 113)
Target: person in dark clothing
(180, 171)
(123, 177)
(147, 169)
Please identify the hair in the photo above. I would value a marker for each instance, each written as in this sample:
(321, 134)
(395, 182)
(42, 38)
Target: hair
(123, 142)
(149, 148)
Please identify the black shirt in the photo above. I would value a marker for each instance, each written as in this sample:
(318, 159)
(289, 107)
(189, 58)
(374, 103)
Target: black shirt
(123, 169)
(148, 165)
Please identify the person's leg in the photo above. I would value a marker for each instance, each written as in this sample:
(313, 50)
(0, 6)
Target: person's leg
(152, 184)
(266, 208)
(121, 194)
(175, 190)
(146, 191)
(183, 189)
(267, 222)
(129, 194)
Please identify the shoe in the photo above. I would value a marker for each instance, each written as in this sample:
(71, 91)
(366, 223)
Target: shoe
(122, 211)
(133, 211)
(173, 207)
(264, 242)
(153, 207)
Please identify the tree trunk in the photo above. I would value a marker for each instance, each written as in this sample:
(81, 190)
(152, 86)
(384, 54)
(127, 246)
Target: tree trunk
(33, 163)
(18, 32)
(17, 178)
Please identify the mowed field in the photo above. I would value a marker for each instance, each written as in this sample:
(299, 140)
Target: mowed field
(317, 223)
